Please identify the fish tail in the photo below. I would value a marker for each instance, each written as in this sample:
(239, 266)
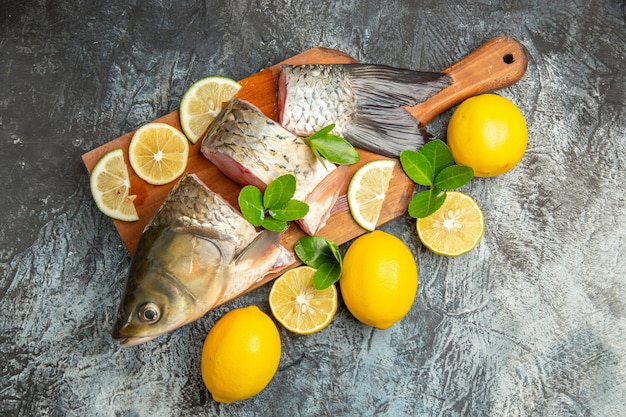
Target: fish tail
(381, 123)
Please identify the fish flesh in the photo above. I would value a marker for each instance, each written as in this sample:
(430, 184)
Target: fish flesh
(365, 102)
(196, 253)
(252, 149)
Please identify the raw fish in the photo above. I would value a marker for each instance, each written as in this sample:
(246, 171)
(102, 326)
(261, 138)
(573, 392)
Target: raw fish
(197, 252)
(252, 149)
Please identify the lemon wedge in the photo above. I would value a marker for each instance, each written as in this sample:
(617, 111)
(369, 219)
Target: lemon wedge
(298, 306)
(455, 228)
(110, 185)
(202, 102)
(367, 190)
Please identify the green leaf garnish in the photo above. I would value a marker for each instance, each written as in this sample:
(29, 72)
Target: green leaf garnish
(417, 167)
(322, 254)
(291, 210)
(332, 148)
(279, 191)
(316, 250)
(426, 202)
(326, 275)
(438, 154)
(273, 208)
(433, 166)
(273, 224)
(453, 177)
(251, 205)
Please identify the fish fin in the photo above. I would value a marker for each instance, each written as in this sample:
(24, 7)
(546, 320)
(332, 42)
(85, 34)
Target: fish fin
(381, 92)
(264, 255)
(264, 240)
(284, 259)
(322, 199)
(265, 250)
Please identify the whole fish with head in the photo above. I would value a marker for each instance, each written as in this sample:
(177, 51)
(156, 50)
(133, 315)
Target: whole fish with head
(196, 253)
(252, 149)
(365, 102)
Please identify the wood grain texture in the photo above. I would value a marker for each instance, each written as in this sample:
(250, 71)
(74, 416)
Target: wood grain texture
(498, 63)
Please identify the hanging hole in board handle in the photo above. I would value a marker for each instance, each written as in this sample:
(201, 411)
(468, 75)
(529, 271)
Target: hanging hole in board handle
(498, 63)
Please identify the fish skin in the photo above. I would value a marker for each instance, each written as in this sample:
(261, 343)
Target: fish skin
(252, 149)
(365, 102)
(197, 252)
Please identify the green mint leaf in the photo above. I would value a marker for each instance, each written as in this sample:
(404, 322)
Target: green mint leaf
(335, 250)
(323, 131)
(336, 150)
(425, 203)
(273, 224)
(438, 154)
(326, 275)
(279, 191)
(453, 177)
(251, 205)
(315, 152)
(292, 210)
(331, 147)
(315, 251)
(417, 167)
(322, 254)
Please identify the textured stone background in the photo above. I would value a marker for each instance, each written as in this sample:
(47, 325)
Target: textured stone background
(533, 322)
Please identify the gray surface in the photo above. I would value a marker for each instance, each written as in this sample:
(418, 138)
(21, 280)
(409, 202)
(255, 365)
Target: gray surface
(530, 323)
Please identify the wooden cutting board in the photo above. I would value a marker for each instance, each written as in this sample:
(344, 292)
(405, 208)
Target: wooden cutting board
(260, 90)
(498, 63)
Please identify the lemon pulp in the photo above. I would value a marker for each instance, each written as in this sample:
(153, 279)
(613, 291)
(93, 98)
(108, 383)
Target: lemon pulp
(202, 102)
(158, 153)
(455, 228)
(298, 306)
(367, 190)
(110, 186)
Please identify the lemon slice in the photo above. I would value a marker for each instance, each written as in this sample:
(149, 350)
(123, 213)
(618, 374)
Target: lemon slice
(158, 153)
(455, 228)
(110, 185)
(298, 306)
(202, 102)
(367, 190)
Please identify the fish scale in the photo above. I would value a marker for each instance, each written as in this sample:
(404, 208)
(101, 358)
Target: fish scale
(252, 149)
(323, 103)
(365, 102)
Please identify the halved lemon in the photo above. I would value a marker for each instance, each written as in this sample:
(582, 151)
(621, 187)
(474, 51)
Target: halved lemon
(298, 306)
(202, 102)
(455, 228)
(367, 190)
(158, 153)
(110, 184)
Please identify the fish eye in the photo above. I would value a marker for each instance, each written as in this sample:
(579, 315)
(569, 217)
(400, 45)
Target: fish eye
(149, 313)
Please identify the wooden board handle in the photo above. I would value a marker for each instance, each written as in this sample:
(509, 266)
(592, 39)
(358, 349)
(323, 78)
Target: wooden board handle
(498, 63)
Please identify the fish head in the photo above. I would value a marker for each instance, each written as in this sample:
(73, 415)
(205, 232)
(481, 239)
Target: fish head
(153, 308)
(171, 280)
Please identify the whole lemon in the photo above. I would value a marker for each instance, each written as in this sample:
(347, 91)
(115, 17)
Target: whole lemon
(488, 133)
(240, 354)
(379, 279)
